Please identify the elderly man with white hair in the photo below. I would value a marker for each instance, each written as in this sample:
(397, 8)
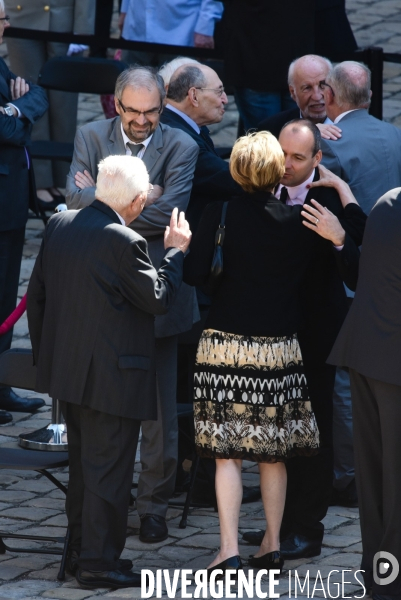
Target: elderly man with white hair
(91, 303)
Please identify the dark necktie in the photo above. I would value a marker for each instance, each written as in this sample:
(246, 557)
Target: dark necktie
(204, 133)
(135, 148)
(284, 195)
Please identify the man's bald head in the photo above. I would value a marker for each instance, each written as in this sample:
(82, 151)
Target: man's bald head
(197, 91)
(305, 77)
(308, 65)
(350, 82)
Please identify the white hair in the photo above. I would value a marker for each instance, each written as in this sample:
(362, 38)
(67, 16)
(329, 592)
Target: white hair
(2, 7)
(307, 57)
(168, 69)
(120, 180)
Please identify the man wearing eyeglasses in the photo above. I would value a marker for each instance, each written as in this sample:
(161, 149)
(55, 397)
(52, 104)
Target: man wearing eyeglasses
(195, 99)
(170, 157)
(21, 104)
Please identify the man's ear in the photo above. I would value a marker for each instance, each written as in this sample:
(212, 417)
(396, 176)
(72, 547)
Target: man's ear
(117, 105)
(292, 92)
(193, 97)
(318, 158)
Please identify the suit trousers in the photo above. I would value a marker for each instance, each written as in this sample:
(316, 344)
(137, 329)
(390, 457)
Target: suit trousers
(11, 246)
(59, 123)
(343, 438)
(309, 483)
(102, 450)
(376, 408)
(159, 444)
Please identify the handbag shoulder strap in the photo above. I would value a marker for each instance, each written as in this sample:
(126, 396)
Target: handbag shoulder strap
(220, 233)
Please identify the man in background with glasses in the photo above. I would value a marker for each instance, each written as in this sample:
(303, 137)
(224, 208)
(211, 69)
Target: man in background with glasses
(196, 99)
(170, 157)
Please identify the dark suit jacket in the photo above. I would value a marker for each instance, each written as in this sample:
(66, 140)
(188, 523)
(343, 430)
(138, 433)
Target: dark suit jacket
(17, 186)
(91, 301)
(323, 298)
(370, 339)
(276, 122)
(212, 178)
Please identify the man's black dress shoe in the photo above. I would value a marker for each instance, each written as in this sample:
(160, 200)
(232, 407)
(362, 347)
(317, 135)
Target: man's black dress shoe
(299, 546)
(123, 564)
(5, 417)
(107, 579)
(253, 537)
(153, 529)
(233, 564)
(10, 401)
(271, 560)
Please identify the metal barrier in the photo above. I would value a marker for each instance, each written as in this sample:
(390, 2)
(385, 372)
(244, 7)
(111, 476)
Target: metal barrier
(373, 57)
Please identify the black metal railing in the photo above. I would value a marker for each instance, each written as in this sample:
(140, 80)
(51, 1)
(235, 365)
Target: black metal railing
(373, 57)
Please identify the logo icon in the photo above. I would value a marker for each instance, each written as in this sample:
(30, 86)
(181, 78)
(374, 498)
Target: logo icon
(385, 568)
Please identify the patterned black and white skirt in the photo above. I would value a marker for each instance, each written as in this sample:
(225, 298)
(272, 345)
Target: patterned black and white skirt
(251, 398)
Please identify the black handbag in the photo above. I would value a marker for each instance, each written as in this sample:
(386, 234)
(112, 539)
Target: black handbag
(216, 269)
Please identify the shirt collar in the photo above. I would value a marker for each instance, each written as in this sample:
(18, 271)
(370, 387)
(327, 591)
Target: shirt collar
(119, 216)
(187, 119)
(126, 139)
(337, 119)
(327, 121)
(298, 193)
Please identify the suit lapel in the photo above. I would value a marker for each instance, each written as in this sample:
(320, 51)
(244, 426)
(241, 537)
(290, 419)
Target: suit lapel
(152, 152)
(116, 143)
(312, 193)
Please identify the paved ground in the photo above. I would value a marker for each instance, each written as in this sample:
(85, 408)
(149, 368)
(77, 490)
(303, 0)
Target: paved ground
(29, 503)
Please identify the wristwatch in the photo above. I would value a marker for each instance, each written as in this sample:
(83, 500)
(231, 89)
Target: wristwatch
(8, 111)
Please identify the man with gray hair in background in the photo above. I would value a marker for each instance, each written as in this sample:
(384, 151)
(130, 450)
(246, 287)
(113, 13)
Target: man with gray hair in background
(306, 76)
(170, 157)
(368, 158)
(92, 331)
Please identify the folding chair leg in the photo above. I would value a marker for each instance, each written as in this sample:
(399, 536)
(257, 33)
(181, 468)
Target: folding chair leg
(194, 470)
(61, 573)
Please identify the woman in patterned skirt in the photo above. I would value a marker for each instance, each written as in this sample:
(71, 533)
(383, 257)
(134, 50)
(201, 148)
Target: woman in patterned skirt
(250, 392)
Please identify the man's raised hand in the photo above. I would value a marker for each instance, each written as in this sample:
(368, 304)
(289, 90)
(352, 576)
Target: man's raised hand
(177, 234)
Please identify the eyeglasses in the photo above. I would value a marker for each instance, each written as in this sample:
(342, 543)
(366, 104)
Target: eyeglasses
(323, 84)
(219, 91)
(151, 113)
(6, 18)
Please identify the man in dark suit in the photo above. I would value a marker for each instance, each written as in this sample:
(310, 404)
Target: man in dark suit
(21, 104)
(196, 99)
(369, 344)
(92, 329)
(324, 309)
(305, 77)
(170, 157)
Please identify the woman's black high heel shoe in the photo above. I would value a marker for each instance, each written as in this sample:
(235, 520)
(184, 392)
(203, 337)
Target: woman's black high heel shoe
(232, 563)
(271, 560)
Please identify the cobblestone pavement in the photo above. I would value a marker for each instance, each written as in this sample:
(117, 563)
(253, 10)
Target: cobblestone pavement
(29, 503)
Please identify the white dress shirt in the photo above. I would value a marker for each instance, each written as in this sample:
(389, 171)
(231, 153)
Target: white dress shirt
(170, 21)
(128, 150)
(119, 216)
(298, 193)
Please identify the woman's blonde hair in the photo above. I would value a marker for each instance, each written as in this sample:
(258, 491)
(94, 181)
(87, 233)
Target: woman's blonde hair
(257, 162)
